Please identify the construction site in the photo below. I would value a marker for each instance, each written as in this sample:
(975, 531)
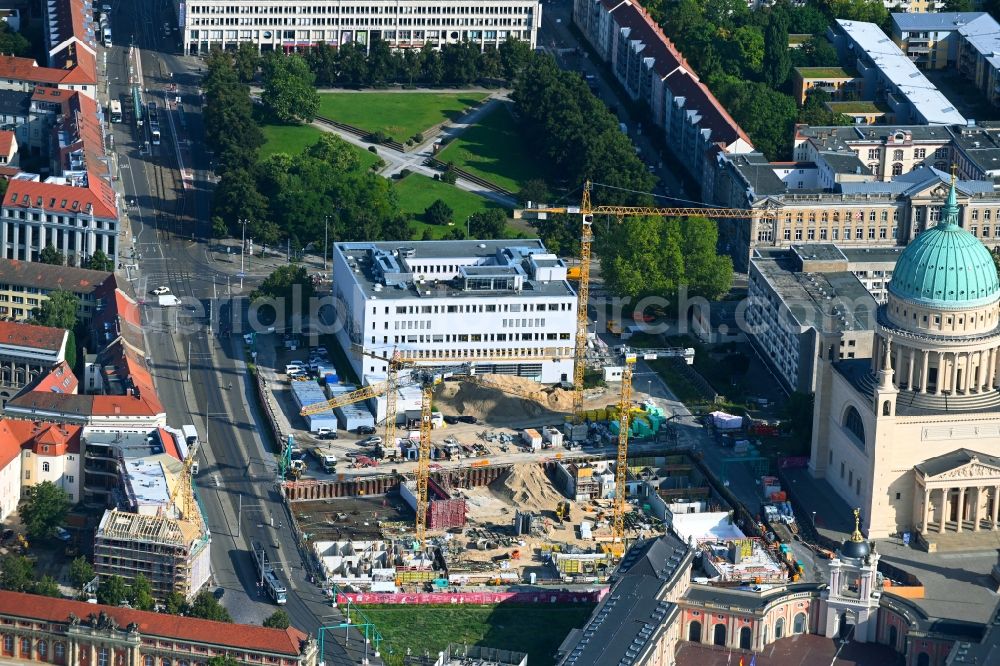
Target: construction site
(174, 555)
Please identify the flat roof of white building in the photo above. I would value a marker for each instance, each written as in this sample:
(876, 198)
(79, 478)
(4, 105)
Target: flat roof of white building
(439, 269)
(933, 21)
(983, 34)
(896, 67)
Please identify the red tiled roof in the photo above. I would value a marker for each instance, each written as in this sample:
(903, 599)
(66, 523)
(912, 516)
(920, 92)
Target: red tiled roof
(169, 444)
(60, 438)
(714, 117)
(26, 69)
(10, 444)
(59, 198)
(7, 139)
(59, 379)
(84, 406)
(248, 637)
(30, 335)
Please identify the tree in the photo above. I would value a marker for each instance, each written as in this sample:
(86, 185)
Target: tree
(872, 11)
(277, 620)
(58, 310)
(100, 262)
(438, 213)
(283, 283)
(113, 591)
(141, 594)
(958, 6)
(17, 573)
(777, 61)
(336, 152)
(814, 112)
(455, 233)
(47, 587)
(207, 607)
(489, 223)
(175, 603)
(223, 660)
(219, 227)
(534, 190)
(80, 572)
(50, 255)
(44, 508)
(246, 61)
(12, 42)
(289, 93)
(706, 273)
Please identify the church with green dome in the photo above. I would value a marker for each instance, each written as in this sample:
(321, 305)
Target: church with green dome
(912, 435)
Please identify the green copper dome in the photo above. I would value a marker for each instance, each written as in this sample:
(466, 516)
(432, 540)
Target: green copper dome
(946, 266)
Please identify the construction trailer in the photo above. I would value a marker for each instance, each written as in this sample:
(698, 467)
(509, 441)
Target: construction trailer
(310, 393)
(350, 417)
(174, 555)
(443, 510)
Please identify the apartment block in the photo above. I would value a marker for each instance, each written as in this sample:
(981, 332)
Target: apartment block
(889, 76)
(654, 73)
(446, 301)
(802, 301)
(273, 25)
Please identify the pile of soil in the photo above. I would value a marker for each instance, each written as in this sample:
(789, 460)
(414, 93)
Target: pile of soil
(506, 399)
(526, 487)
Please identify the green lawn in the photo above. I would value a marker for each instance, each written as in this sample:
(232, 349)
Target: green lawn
(536, 629)
(494, 149)
(399, 115)
(417, 192)
(293, 139)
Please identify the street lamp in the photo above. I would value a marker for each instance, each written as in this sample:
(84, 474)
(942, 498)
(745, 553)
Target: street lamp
(326, 236)
(243, 252)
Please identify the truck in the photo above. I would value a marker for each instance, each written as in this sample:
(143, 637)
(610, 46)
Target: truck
(325, 457)
(168, 301)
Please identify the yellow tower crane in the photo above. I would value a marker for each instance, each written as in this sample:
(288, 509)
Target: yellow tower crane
(587, 212)
(426, 377)
(182, 496)
(627, 357)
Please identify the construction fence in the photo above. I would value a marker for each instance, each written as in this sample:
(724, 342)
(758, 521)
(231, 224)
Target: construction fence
(473, 598)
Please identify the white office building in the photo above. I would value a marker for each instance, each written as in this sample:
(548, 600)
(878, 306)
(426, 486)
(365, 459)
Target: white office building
(276, 25)
(448, 301)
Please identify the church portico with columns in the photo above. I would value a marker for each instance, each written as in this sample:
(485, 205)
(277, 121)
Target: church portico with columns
(912, 434)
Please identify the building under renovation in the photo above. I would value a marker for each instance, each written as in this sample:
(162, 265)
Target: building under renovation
(174, 555)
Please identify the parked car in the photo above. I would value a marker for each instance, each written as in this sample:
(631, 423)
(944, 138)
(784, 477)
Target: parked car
(63, 534)
(160, 291)
(326, 433)
(467, 419)
(374, 440)
(365, 430)
(450, 420)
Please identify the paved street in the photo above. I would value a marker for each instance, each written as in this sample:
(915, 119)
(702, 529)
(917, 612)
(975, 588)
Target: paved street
(191, 364)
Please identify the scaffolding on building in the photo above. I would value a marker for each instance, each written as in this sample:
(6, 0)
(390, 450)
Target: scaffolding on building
(171, 554)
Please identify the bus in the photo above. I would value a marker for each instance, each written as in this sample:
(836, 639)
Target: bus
(269, 581)
(116, 111)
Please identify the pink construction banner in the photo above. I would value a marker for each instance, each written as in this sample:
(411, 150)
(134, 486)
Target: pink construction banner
(475, 598)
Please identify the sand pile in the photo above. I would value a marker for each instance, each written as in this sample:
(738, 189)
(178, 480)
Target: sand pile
(506, 398)
(527, 487)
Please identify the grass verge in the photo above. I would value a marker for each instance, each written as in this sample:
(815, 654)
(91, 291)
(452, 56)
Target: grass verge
(494, 149)
(417, 192)
(399, 115)
(536, 629)
(293, 139)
